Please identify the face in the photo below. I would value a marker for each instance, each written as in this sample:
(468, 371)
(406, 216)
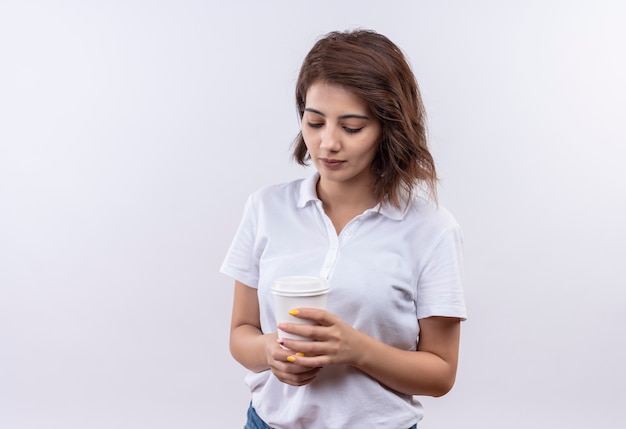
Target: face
(340, 134)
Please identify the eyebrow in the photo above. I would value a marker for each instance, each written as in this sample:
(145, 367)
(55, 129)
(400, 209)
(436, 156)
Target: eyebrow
(348, 116)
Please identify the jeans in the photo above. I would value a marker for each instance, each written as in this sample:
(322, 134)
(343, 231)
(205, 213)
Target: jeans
(255, 422)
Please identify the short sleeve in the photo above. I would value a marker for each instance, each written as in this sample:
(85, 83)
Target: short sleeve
(240, 262)
(439, 288)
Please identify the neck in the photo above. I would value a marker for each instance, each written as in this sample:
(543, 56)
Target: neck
(356, 196)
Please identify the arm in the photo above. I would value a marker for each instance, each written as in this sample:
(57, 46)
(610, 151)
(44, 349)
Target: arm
(257, 351)
(248, 345)
(431, 370)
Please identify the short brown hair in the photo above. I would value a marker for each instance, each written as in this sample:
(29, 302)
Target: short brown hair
(372, 67)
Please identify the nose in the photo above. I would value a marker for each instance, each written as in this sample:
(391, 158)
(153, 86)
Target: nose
(330, 138)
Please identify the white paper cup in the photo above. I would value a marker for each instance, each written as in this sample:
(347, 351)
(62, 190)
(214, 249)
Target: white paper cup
(298, 292)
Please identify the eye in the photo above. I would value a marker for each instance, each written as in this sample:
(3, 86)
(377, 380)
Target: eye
(315, 124)
(352, 130)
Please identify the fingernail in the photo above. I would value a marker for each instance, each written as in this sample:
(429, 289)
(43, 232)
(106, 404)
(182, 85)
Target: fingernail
(294, 312)
(299, 354)
(291, 359)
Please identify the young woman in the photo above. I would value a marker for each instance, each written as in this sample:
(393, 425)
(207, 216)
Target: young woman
(368, 222)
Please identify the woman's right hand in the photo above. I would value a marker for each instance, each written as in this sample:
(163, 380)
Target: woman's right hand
(285, 371)
(257, 351)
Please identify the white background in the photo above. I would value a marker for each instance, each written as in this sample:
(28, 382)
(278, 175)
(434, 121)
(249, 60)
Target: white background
(131, 133)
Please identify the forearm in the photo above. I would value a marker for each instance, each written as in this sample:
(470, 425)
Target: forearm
(431, 370)
(248, 346)
(409, 372)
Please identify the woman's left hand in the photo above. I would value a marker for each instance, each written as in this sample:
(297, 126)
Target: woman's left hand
(334, 341)
(429, 370)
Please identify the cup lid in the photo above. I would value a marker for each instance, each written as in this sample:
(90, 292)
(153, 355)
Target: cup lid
(300, 285)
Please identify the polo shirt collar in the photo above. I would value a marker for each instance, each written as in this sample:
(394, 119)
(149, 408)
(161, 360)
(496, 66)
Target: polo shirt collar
(391, 211)
(308, 192)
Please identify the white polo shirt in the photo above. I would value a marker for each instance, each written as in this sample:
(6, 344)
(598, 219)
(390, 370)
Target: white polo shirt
(386, 269)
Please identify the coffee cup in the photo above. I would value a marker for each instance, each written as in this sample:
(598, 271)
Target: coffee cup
(298, 292)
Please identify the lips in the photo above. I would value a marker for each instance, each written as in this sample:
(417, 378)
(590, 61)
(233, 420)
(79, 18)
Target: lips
(331, 163)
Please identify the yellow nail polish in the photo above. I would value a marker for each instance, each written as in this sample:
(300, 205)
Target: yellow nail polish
(291, 358)
(294, 312)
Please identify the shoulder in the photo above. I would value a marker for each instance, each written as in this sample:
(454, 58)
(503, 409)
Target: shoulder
(285, 194)
(427, 214)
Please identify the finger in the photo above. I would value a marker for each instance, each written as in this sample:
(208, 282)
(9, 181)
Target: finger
(312, 332)
(309, 361)
(296, 382)
(322, 317)
(296, 379)
(309, 348)
(290, 368)
(286, 365)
